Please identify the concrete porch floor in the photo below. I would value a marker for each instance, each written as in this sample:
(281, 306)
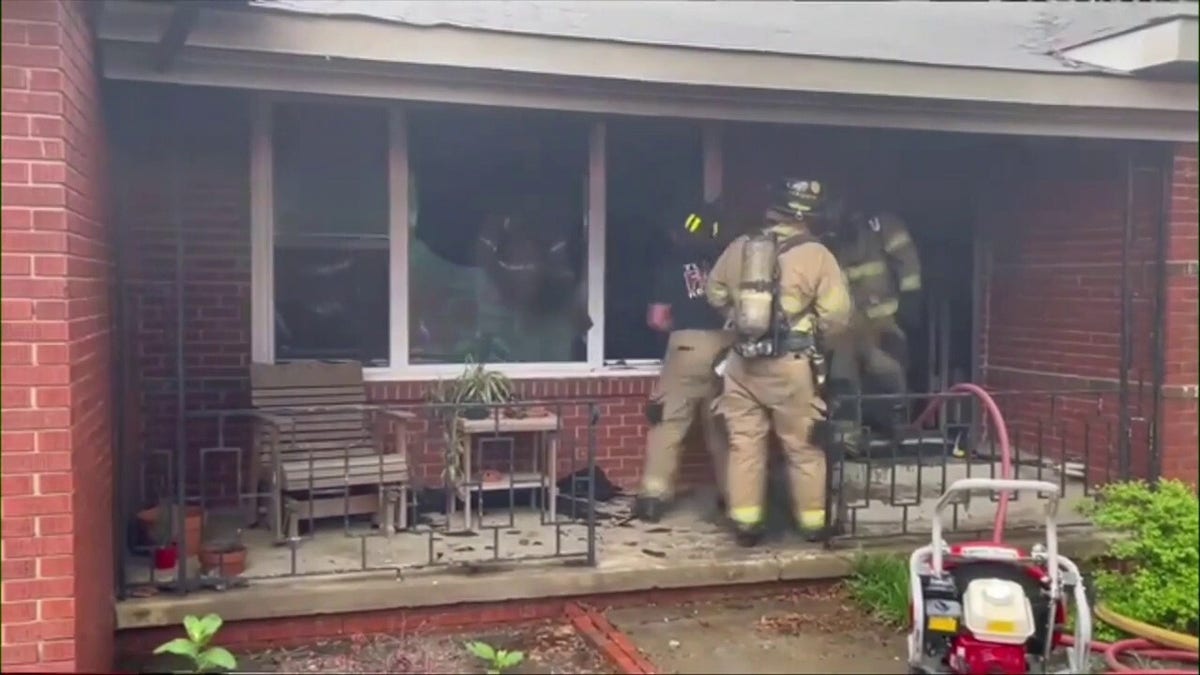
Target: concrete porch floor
(688, 548)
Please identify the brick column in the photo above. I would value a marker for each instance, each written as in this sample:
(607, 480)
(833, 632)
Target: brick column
(1179, 435)
(56, 467)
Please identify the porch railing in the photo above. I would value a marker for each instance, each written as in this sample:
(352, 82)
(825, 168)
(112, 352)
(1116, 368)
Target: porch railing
(884, 488)
(487, 486)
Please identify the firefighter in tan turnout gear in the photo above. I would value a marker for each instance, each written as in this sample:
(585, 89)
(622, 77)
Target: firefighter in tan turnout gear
(688, 382)
(883, 270)
(784, 295)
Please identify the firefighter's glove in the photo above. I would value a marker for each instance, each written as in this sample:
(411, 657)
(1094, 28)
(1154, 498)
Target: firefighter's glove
(654, 412)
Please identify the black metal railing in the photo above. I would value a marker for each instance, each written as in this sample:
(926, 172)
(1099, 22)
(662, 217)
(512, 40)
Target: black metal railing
(884, 484)
(364, 489)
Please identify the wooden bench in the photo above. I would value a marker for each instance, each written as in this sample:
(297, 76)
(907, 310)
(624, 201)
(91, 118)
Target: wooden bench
(321, 444)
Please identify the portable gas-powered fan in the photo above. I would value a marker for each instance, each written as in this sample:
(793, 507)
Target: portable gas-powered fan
(988, 608)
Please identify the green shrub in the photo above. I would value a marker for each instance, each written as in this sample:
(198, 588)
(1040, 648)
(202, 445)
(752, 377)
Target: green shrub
(1150, 572)
(496, 660)
(879, 584)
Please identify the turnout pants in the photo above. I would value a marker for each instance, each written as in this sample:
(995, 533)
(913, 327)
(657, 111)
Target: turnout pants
(874, 351)
(779, 394)
(685, 391)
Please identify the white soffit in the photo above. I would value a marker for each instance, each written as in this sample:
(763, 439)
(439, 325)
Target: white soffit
(1170, 44)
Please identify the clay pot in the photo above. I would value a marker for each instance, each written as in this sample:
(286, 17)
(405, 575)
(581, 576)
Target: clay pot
(230, 559)
(193, 522)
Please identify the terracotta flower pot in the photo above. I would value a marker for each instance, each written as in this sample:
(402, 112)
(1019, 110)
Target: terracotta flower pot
(230, 561)
(193, 522)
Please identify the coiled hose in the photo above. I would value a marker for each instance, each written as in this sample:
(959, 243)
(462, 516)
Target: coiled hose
(1151, 642)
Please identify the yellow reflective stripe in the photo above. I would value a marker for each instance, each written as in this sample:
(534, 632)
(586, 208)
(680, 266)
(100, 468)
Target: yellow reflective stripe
(896, 242)
(654, 487)
(806, 323)
(790, 304)
(910, 282)
(835, 300)
(812, 519)
(692, 223)
(864, 270)
(717, 293)
(746, 515)
(885, 308)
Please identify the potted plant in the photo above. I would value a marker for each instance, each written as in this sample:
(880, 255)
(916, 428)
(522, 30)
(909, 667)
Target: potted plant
(228, 558)
(158, 524)
(472, 395)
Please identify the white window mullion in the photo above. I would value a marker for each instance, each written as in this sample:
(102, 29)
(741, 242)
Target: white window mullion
(262, 232)
(714, 160)
(398, 231)
(596, 215)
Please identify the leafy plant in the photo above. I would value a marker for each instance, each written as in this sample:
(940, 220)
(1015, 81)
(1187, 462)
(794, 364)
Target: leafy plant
(1150, 571)
(475, 387)
(880, 585)
(497, 660)
(194, 647)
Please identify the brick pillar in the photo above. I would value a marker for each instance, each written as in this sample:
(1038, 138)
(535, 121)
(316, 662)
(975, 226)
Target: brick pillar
(56, 461)
(1179, 439)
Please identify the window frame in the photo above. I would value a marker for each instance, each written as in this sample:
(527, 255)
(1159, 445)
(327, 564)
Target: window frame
(262, 245)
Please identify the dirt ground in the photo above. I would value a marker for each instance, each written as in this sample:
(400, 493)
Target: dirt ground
(810, 631)
(550, 647)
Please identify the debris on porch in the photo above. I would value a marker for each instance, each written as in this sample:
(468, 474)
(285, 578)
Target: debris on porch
(691, 533)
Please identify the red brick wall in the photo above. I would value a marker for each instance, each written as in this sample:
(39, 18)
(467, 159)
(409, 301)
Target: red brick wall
(1180, 409)
(1053, 301)
(57, 489)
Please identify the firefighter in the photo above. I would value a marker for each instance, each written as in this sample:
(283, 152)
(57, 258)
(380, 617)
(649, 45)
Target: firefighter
(688, 383)
(783, 294)
(883, 271)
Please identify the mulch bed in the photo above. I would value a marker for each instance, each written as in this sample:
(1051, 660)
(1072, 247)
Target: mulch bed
(549, 647)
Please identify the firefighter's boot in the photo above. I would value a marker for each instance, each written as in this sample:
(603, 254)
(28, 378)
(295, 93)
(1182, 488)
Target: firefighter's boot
(649, 509)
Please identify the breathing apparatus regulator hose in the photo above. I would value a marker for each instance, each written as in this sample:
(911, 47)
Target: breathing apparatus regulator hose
(1151, 642)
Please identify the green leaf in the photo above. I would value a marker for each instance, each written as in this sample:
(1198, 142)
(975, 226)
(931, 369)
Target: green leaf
(217, 657)
(179, 647)
(509, 659)
(194, 628)
(209, 626)
(482, 650)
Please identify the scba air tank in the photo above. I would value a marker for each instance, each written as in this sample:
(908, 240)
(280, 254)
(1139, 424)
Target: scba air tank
(752, 317)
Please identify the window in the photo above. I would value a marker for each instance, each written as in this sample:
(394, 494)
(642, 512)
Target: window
(331, 233)
(497, 250)
(415, 238)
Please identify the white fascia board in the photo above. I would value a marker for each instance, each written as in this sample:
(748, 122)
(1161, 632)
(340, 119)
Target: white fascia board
(267, 33)
(338, 78)
(1132, 51)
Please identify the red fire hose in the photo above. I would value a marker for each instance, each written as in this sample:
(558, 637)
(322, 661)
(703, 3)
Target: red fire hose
(1112, 652)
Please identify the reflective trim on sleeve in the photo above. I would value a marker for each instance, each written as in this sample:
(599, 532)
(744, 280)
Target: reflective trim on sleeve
(897, 241)
(717, 294)
(885, 308)
(746, 515)
(910, 282)
(868, 269)
(790, 304)
(806, 323)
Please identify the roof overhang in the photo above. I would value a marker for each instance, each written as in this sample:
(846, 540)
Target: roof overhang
(1166, 49)
(346, 56)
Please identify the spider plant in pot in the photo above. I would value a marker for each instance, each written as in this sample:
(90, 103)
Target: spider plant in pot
(471, 395)
(480, 391)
